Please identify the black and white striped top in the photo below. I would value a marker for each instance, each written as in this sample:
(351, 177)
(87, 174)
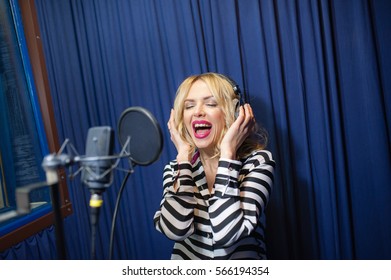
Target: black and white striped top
(228, 223)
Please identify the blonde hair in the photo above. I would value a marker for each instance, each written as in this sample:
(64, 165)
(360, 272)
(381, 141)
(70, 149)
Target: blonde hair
(222, 90)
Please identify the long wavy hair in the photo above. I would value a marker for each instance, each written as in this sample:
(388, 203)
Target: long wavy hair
(222, 90)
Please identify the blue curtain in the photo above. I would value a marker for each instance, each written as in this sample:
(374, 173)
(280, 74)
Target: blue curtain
(317, 75)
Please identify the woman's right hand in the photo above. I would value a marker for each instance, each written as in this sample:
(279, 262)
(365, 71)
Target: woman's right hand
(183, 148)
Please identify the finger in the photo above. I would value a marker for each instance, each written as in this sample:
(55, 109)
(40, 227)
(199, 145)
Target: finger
(249, 121)
(242, 113)
(250, 110)
(250, 114)
(247, 115)
(171, 121)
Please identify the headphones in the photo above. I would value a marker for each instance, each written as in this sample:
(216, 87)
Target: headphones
(239, 101)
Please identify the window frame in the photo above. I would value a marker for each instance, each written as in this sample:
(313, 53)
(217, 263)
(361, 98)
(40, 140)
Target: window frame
(26, 13)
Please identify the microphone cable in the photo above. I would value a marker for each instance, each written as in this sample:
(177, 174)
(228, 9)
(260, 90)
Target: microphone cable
(115, 214)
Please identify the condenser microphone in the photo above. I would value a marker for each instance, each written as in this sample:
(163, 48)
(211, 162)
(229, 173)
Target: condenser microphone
(97, 172)
(97, 164)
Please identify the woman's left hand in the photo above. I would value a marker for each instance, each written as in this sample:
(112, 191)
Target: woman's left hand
(238, 132)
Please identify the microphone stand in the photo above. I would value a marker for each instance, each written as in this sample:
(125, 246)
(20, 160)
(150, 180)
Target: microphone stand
(51, 165)
(59, 228)
(96, 202)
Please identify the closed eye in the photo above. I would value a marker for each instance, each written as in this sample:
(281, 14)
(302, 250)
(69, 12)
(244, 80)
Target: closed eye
(189, 105)
(208, 101)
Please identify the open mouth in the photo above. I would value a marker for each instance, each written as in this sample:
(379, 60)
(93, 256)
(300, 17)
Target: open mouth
(201, 129)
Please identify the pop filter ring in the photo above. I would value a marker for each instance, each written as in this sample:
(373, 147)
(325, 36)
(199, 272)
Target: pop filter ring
(155, 130)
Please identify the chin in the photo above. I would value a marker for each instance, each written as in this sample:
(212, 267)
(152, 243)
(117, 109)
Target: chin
(203, 144)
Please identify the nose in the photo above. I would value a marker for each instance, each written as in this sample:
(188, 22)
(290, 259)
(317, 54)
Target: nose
(199, 111)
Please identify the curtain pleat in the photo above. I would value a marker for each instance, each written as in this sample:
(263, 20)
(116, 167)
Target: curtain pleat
(316, 73)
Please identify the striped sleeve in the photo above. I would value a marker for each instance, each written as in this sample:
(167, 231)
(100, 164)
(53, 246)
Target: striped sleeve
(236, 206)
(176, 213)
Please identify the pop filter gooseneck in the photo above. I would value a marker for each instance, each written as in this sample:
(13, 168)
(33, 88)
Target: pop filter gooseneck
(144, 148)
(146, 141)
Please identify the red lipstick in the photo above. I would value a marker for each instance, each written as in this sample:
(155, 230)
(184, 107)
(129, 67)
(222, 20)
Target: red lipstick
(201, 128)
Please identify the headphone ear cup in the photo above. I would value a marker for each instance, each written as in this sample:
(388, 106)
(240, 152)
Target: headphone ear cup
(236, 105)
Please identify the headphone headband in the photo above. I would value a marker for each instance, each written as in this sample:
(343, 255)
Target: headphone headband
(237, 102)
(235, 87)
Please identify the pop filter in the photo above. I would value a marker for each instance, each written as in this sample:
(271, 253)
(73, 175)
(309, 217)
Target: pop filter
(146, 141)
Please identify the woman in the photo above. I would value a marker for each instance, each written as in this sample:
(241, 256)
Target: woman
(217, 188)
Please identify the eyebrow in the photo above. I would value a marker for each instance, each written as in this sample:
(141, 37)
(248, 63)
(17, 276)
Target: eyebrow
(205, 98)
